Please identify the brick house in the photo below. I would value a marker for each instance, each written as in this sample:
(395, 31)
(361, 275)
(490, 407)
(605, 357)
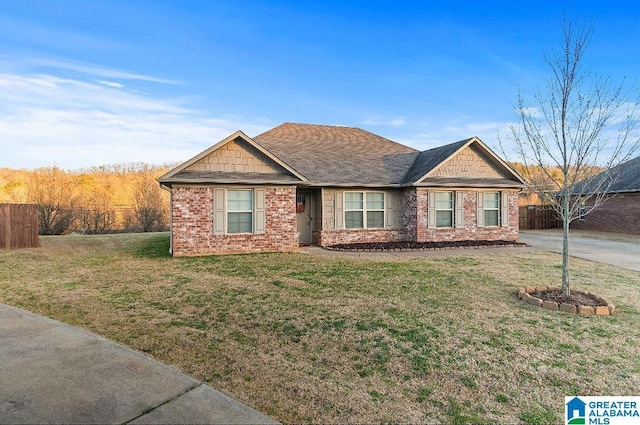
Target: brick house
(620, 212)
(301, 184)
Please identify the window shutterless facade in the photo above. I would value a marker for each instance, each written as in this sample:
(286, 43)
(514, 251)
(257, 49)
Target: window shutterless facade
(364, 210)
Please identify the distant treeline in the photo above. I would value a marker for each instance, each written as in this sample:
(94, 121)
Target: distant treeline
(104, 199)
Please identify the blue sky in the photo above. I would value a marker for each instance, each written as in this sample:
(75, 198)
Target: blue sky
(86, 83)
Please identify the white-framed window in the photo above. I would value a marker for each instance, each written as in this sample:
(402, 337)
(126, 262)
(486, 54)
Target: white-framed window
(364, 210)
(239, 211)
(491, 208)
(444, 209)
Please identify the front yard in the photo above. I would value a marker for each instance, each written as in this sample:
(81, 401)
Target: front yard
(306, 338)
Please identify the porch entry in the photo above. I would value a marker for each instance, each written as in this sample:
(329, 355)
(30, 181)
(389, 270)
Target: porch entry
(305, 216)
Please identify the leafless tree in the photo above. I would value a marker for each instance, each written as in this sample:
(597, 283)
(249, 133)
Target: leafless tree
(582, 123)
(52, 190)
(148, 207)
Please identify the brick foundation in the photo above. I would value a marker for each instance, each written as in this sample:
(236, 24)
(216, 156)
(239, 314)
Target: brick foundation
(334, 237)
(192, 227)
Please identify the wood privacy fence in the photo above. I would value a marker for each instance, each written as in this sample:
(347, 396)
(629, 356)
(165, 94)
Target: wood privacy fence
(18, 226)
(539, 217)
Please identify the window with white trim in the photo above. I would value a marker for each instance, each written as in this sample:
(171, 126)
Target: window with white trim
(491, 208)
(444, 209)
(364, 210)
(240, 211)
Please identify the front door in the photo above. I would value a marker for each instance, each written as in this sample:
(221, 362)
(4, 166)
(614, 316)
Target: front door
(304, 216)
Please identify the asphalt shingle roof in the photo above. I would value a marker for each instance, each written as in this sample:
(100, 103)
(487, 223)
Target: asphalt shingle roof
(626, 177)
(340, 155)
(429, 159)
(334, 155)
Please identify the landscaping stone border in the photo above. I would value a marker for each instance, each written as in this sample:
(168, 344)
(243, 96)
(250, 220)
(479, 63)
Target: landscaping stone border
(430, 248)
(602, 310)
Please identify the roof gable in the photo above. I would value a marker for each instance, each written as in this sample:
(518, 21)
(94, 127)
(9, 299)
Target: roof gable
(463, 160)
(235, 157)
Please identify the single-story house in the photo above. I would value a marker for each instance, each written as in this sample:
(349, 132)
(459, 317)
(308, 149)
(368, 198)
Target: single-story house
(301, 184)
(620, 212)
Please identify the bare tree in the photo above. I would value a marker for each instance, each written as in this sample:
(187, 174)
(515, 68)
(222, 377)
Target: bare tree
(52, 190)
(148, 207)
(582, 124)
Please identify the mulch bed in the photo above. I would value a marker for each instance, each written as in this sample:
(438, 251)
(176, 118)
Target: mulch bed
(576, 298)
(415, 246)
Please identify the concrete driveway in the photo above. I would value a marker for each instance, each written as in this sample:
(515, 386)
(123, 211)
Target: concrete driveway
(617, 250)
(55, 373)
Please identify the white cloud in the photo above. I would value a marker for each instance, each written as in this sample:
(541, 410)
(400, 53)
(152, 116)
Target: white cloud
(532, 111)
(391, 122)
(101, 71)
(110, 84)
(75, 124)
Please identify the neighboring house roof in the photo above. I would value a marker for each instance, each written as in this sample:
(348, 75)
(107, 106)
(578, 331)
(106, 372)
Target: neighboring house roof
(625, 178)
(324, 155)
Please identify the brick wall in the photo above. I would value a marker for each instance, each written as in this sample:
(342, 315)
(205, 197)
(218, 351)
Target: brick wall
(620, 214)
(333, 237)
(192, 227)
(416, 220)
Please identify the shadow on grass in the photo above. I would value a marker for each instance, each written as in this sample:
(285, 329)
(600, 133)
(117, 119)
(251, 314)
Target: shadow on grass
(155, 246)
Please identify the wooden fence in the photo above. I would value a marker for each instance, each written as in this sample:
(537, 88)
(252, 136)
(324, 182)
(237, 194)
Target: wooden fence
(18, 226)
(539, 217)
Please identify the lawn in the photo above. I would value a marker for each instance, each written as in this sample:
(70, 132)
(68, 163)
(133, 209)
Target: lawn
(307, 338)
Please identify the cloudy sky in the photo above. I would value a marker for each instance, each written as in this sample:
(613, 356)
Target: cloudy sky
(86, 83)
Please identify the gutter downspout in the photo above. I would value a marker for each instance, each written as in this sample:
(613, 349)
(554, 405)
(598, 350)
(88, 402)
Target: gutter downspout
(169, 189)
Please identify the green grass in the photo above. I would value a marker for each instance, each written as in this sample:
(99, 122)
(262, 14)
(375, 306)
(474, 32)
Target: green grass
(318, 339)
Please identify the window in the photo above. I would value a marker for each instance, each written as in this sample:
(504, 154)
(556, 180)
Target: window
(364, 210)
(491, 206)
(240, 211)
(444, 209)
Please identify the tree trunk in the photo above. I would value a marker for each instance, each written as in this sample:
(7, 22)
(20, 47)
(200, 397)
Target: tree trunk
(566, 219)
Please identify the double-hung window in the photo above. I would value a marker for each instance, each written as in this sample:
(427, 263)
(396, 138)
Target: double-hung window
(364, 210)
(491, 206)
(240, 211)
(444, 209)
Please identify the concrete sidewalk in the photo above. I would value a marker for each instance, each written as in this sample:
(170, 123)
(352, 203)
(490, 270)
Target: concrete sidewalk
(55, 373)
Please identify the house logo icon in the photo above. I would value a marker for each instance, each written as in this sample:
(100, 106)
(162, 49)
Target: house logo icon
(575, 409)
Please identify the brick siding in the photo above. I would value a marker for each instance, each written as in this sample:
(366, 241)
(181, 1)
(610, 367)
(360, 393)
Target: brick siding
(192, 227)
(416, 220)
(620, 214)
(333, 237)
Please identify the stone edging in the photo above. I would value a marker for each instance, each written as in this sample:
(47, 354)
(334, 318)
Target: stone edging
(441, 248)
(603, 310)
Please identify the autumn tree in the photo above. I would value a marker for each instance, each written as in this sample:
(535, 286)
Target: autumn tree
(97, 215)
(580, 124)
(148, 205)
(53, 191)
